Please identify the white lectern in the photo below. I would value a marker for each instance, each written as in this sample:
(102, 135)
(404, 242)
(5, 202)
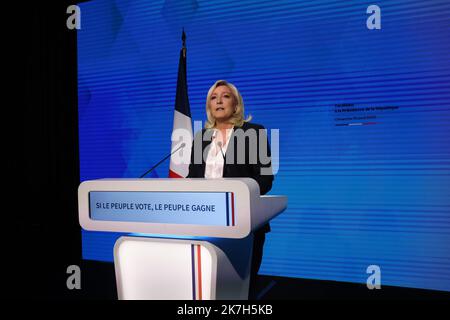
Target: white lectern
(189, 238)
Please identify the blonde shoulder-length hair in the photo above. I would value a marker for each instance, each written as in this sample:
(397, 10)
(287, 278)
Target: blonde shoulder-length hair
(238, 117)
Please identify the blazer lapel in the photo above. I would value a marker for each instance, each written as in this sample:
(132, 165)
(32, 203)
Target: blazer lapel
(225, 165)
(205, 144)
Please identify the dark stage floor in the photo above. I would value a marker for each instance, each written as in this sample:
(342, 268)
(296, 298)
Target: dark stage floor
(98, 282)
(38, 260)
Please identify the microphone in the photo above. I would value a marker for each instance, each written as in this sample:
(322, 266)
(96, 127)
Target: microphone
(225, 167)
(152, 168)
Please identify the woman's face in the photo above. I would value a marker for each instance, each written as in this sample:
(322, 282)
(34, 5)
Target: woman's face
(222, 104)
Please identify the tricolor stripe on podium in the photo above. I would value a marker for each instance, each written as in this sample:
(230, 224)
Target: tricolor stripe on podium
(182, 117)
(196, 258)
(230, 208)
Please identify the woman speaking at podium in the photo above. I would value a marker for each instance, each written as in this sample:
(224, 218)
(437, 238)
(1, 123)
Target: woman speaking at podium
(229, 146)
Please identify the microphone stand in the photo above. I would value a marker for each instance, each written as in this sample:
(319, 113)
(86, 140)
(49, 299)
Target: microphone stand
(148, 171)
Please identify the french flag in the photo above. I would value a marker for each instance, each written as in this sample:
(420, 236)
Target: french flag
(181, 120)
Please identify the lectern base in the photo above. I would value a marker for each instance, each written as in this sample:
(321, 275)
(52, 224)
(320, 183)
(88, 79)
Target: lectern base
(175, 269)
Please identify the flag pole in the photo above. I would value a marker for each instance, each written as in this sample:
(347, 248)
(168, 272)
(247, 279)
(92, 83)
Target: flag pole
(183, 39)
(182, 118)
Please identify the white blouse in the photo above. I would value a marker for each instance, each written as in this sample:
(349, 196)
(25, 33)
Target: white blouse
(215, 159)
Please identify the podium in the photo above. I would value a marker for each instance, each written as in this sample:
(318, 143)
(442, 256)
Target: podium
(187, 238)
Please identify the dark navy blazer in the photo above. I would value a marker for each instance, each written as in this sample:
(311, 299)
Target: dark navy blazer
(233, 168)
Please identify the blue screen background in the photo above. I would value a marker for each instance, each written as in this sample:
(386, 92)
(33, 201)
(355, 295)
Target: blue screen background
(365, 187)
